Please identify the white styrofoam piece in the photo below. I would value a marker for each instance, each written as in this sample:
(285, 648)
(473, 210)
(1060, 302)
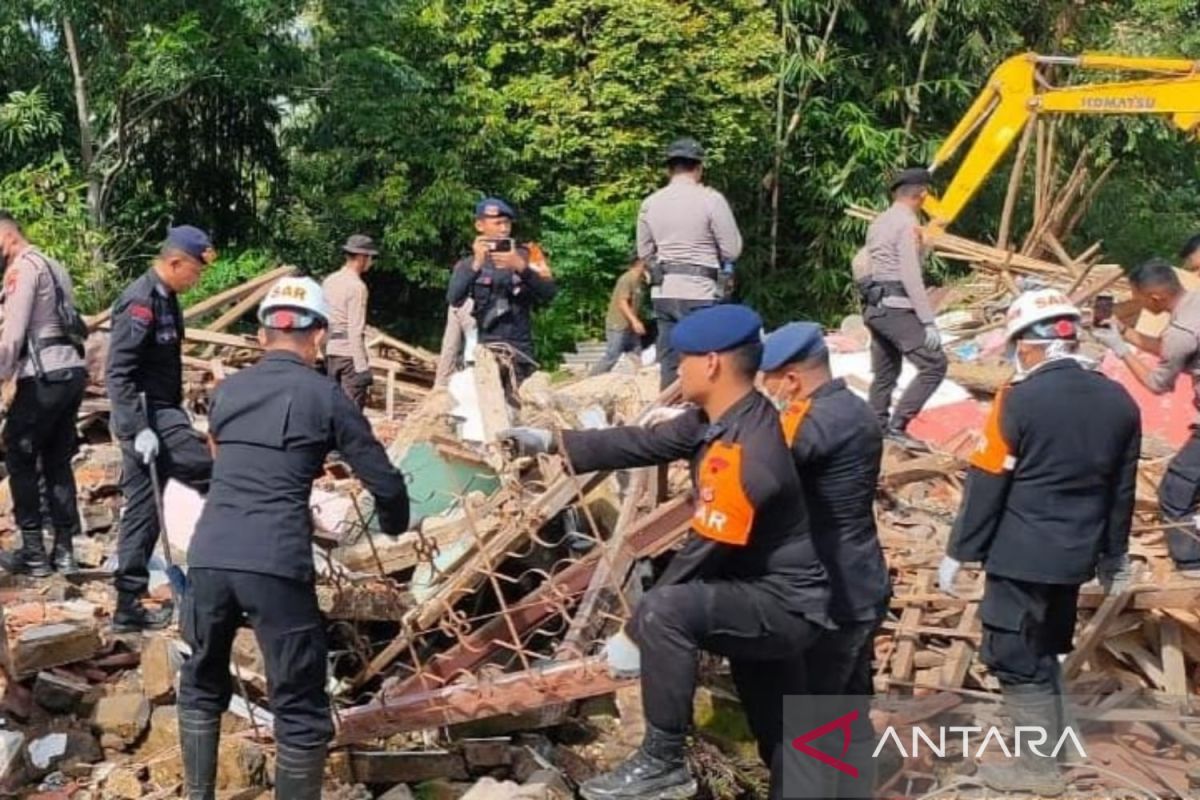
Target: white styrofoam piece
(466, 404)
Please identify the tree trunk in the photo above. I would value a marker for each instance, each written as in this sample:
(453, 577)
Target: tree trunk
(87, 152)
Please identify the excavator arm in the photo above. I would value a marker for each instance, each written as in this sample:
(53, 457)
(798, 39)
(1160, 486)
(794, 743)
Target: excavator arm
(1015, 93)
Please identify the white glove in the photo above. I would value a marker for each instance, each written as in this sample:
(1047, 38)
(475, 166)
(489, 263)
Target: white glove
(947, 573)
(1114, 573)
(624, 658)
(933, 338)
(528, 441)
(656, 416)
(1109, 336)
(145, 444)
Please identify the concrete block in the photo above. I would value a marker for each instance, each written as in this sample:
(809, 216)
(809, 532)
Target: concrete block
(124, 716)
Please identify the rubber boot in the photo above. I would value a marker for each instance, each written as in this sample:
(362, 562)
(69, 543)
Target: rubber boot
(62, 557)
(1029, 705)
(199, 738)
(132, 617)
(299, 773)
(30, 558)
(655, 771)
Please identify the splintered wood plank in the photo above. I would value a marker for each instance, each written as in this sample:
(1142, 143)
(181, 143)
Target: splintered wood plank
(1130, 647)
(903, 659)
(493, 407)
(1109, 610)
(954, 671)
(1174, 666)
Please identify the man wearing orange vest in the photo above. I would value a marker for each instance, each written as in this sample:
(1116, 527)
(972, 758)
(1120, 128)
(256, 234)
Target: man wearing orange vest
(747, 583)
(837, 445)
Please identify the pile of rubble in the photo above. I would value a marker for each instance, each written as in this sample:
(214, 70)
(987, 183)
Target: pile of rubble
(465, 653)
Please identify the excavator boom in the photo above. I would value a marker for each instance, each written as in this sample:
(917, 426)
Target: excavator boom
(1015, 93)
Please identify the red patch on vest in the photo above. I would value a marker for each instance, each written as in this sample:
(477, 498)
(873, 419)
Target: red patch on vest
(140, 313)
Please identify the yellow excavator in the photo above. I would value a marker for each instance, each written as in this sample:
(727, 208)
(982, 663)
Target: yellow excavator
(1018, 91)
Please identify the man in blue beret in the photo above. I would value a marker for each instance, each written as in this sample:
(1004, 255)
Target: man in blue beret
(502, 282)
(837, 445)
(145, 387)
(747, 584)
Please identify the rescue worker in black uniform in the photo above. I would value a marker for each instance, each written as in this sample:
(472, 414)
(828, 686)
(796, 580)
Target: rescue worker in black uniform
(837, 445)
(1048, 504)
(272, 426)
(145, 359)
(503, 285)
(37, 350)
(747, 584)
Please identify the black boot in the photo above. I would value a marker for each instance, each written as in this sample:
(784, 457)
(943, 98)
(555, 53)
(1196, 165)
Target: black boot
(199, 737)
(299, 773)
(132, 617)
(30, 559)
(897, 434)
(63, 554)
(656, 771)
(1029, 706)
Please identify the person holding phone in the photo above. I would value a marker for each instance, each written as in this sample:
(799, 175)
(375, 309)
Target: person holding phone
(500, 284)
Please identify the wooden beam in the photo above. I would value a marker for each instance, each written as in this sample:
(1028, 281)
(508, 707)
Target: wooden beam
(240, 308)
(218, 300)
(1094, 634)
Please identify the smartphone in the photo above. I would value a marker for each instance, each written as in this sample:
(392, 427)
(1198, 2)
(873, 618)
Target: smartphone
(500, 245)
(1102, 309)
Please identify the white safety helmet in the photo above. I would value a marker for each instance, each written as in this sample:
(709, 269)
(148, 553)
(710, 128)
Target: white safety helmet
(294, 303)
(1043, 306)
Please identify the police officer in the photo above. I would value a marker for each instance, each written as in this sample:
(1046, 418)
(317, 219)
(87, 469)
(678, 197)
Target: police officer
(39, 436)
(502, 285)
(897, 309)
(1158, 289)
(837, 445)
(747, 584)
(1189, 254)
(272, 426)
(346, 359)
(688, 237)
(145, 388)
(1048, 504)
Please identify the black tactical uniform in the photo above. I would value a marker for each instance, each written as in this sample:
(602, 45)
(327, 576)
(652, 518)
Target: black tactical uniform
(251, 555)
(145, 356)
(503, 303)
(746, 585)
(1051, 493)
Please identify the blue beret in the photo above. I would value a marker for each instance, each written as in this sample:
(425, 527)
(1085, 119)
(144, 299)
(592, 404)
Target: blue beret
(716, 329)
(188, 239)
(795, 341)
(493, 207)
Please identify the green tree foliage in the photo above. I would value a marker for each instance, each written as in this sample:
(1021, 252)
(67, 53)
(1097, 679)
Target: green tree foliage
(285, 125)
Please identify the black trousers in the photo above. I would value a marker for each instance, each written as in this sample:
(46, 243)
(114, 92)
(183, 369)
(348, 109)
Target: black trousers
(669, 312)
(765, 645)
(341, 369)
(897, 334)
(1177, 501)
(183, 454)
(1026, 626)
(840, 664)
(290, 634)
(40, 439)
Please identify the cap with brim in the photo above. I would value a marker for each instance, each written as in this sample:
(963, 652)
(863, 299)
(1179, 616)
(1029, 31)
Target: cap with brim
(686, 148)
(796, 341)
(189, 240)
(716, 329)
(493, 207)
(359, 244)
(913, 176)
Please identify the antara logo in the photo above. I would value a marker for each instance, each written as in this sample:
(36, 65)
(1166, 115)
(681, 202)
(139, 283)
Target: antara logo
(1033, 737)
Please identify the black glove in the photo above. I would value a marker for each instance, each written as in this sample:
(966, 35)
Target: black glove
(392, 514)
(364, 379)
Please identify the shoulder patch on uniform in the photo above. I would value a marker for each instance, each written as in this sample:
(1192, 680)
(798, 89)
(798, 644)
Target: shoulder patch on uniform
(723, 511)
(140, 313)
(10, 280)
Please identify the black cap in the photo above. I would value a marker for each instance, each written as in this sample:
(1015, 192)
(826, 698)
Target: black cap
(359, 244)
(912, 176)
(685, 148)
